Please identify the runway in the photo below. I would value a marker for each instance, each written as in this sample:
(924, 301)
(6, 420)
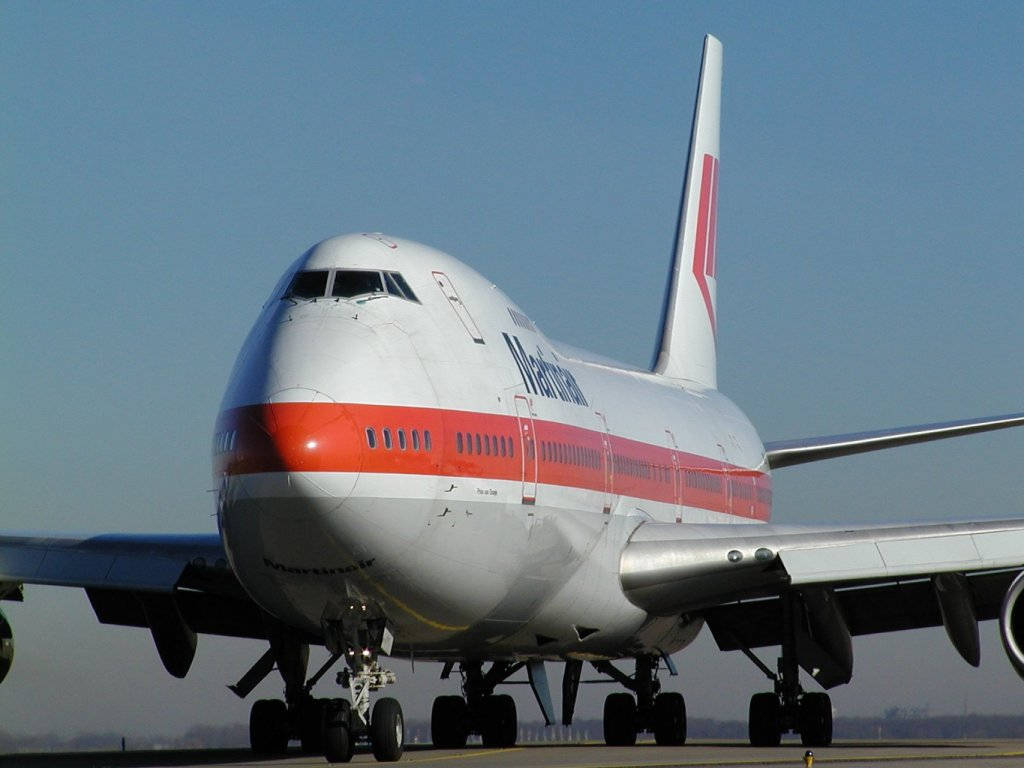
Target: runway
(849, 754)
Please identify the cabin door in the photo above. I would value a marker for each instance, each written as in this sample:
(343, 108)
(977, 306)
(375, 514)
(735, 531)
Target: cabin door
(607, 464)
(677, 480)
(527, 449)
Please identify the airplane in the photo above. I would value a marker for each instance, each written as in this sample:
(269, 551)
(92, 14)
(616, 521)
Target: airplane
(407, 466)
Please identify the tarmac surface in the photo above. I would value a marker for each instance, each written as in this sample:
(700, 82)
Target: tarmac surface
(849, 754)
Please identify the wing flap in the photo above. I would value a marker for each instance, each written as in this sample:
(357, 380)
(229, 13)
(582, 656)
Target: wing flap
(919, 553)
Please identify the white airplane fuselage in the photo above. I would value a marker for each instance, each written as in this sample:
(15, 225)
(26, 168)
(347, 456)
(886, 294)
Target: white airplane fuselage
(504, 480)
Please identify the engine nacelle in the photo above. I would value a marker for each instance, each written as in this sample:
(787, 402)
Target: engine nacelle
(1011, 624)
(6, 646)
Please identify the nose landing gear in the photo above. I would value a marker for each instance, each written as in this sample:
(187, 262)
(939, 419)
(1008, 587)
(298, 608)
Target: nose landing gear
(331, 727)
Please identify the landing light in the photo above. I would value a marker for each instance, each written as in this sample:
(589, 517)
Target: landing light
(311, 444)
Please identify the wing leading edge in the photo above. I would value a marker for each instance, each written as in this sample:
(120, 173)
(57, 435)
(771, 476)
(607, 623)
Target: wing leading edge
(177, 586)
(787, 453)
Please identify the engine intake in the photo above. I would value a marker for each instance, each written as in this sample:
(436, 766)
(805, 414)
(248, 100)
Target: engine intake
(1011, 624)
(6, 646)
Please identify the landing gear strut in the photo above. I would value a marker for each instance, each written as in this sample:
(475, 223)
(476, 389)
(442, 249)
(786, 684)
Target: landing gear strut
(479, 710)
(788, 707)
(664, 714)
(330, 727)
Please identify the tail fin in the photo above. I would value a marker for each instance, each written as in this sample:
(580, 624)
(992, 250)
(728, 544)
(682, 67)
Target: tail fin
(686, 344)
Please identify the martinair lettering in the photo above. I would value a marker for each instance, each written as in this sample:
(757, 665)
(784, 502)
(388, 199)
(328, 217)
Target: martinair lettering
(319, 571)
(542, 377)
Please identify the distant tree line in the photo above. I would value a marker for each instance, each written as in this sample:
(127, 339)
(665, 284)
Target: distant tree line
(893, 724)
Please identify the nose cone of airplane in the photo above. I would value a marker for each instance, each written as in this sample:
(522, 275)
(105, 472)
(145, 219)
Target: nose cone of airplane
(312, 435)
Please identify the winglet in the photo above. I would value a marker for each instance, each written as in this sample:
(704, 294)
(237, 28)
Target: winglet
(686, 344)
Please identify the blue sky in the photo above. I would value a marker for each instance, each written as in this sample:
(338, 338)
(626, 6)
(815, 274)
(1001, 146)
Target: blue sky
(161, 164)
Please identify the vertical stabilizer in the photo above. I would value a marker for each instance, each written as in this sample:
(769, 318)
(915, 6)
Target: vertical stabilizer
(686, 347)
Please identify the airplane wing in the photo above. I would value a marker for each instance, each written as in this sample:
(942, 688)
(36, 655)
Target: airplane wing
(786, 453)
(176, 585)
(850, 581)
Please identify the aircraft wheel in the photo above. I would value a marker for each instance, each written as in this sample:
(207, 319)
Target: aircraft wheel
(620, 720)
(311, 726)
(338, 742)
(448, 722)
(764, 726)
(500, 722)
(670, 719)
(268, 727)
(387, 730)
(815, 720)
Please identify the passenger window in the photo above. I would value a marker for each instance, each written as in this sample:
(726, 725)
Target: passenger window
(415, 439)
(371, 437)
(355, 282)
(308, 285)
(458, 442)
(401, 439)
(503, 449)
(387, 438)
(426, 440)
(494, 445)
(511, 448)
(487, 446)
(476, 444)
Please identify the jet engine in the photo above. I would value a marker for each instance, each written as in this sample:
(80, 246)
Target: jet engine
(1011, 624)
(6, 646)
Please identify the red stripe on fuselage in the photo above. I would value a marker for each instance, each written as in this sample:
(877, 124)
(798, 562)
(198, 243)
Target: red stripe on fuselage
(331, 437)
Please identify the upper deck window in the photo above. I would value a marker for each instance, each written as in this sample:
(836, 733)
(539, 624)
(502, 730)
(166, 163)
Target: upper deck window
(308, 285)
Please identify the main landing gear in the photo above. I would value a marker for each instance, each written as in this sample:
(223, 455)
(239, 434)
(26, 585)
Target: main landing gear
(788, 707)
(650, 711)
(330, 727)
(478, 711)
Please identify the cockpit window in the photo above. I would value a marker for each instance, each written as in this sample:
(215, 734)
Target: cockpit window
(403, 286)
(308, 285)
(347, 284)
(356, 282)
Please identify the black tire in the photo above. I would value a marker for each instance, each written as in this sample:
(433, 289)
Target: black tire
(500, 722)
(311, 726)
(764, 725)
(338, 742)
(620, 720)
(268, 727)
(670, 720)
(815, 720)
(448, 722)
(387, 730)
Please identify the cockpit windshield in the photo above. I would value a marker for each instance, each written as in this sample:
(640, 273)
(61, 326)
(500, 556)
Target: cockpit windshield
(356, 282)
(348, 284)
(308, 285)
